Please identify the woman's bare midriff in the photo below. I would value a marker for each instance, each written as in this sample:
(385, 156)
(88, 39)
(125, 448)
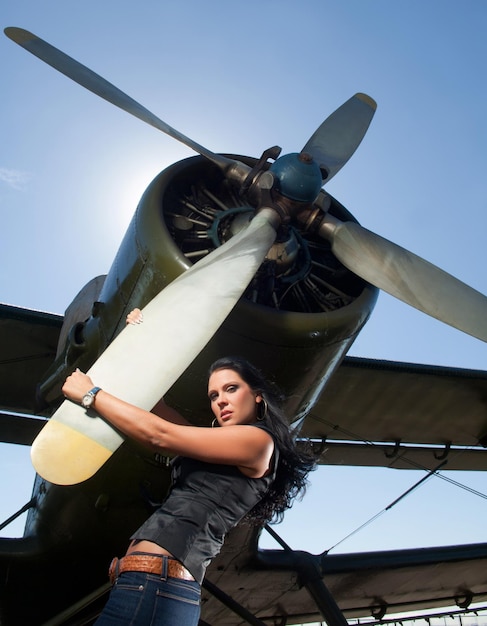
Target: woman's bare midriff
(147, 546)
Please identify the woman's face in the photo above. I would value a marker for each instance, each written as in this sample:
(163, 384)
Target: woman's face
(231, 399)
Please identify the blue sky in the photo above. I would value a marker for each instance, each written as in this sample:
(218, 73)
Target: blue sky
(240, 77)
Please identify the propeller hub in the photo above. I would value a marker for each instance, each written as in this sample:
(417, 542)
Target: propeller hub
(298, 176)
(283, 253)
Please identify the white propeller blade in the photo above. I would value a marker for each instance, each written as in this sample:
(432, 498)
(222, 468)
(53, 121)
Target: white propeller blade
(407, 277)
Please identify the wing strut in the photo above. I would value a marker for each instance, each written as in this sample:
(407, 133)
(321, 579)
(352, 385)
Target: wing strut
(311, 577)
(232, 604)
(31, 504)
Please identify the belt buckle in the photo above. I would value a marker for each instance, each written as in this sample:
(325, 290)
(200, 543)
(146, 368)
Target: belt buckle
(113, 570)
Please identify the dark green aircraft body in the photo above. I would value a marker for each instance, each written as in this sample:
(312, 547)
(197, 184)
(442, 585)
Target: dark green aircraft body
(296, 320)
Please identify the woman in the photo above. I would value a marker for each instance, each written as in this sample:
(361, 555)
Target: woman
(220, 475)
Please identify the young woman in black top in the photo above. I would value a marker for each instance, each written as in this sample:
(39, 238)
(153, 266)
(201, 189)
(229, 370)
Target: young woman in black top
(247, 467)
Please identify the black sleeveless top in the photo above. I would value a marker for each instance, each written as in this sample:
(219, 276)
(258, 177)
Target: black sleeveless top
(205, 501)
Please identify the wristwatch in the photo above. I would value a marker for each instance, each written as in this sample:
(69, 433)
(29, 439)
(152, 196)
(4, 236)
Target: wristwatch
(88, 399)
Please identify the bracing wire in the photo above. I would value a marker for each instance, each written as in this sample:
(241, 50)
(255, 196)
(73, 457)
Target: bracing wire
(354, 437)
(391, 505)
(430, 474)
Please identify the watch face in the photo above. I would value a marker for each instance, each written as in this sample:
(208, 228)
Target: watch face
(87, 400)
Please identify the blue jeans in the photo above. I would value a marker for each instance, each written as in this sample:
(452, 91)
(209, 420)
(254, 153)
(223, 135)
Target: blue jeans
(140, 599)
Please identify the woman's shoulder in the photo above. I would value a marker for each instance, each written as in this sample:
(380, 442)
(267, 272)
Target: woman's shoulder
(263, 426)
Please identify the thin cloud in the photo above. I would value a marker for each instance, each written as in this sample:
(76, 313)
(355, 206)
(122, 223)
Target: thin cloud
(15, 179)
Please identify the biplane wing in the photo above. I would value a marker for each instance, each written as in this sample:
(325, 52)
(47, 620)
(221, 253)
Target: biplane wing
(287, 585)
(402, 415)
(28, 341)
(379, 413)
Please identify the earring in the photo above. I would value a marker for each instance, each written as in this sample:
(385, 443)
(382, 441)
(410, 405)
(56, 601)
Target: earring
(213, 422)
(261, 415)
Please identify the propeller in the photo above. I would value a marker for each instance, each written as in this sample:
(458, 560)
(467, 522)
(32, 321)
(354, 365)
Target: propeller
(233, 265)
(380, 262)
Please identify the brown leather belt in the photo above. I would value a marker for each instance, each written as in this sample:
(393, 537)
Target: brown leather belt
(148, 564)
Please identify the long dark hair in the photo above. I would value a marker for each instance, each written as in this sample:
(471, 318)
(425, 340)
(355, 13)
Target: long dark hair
(294, 462)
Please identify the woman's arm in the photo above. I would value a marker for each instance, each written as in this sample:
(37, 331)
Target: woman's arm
(250, 449)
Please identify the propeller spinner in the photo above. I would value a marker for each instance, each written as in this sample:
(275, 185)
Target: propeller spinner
(290, 186)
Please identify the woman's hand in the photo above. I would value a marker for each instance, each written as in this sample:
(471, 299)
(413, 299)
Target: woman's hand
(135, 317)
(77, 385)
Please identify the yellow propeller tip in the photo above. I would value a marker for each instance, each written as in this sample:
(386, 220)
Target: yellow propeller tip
(367, 100)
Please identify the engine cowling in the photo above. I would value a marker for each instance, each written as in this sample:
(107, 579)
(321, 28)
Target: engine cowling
(296, 320)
